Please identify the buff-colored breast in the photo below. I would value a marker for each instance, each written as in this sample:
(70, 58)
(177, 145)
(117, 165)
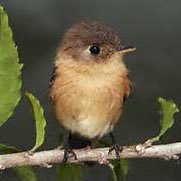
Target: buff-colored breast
(88, 99)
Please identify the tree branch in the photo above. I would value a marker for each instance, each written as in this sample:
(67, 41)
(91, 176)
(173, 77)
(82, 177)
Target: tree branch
(47, 158)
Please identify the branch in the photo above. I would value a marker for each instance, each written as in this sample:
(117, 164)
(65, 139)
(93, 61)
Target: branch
(47, 158)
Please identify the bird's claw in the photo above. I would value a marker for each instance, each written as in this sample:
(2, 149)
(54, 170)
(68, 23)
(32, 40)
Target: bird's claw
(117, 150)
(68, 153)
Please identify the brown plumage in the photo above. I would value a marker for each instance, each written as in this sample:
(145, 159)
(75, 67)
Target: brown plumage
(90, 80)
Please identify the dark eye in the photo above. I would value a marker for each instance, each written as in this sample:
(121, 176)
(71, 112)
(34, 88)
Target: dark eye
(94, 49)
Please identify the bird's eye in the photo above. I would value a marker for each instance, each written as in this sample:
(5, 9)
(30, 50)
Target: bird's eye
(94, 49)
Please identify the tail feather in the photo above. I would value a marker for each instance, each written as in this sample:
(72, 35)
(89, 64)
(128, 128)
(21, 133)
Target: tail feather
(78, 142)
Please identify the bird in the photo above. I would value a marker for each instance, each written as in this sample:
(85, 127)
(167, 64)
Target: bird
(90, 81)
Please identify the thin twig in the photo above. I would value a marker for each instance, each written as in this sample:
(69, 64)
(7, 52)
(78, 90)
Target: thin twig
(47, 158)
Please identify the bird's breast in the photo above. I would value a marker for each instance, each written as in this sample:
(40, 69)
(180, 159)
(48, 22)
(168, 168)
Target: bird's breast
(88, 103)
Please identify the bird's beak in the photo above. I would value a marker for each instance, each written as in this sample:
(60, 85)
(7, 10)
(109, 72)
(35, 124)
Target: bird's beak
(127, 49)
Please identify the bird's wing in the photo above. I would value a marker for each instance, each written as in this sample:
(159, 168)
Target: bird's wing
(53, 77)
(127, 88)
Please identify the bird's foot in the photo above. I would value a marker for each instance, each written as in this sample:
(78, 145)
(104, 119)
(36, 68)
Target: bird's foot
(68, 153)
(117, 150)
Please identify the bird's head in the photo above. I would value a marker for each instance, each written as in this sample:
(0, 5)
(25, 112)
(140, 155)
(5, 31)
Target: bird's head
(91, 41)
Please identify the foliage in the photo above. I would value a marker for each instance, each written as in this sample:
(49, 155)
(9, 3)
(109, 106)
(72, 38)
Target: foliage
(7, 149)
(71, 172)
(10, 85)
(25, 173)
(119, 169)
(167, 111)
(39, 120)
(10, 70)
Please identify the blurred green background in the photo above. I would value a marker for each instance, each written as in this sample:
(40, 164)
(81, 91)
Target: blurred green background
(152, 26)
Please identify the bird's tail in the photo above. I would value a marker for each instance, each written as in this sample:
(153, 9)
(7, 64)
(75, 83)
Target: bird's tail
(77, 142)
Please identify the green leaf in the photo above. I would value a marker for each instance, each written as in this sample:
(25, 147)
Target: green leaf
(25, 173)
(119, 169)
(67, 172)
(4, 149)
(10, 70)
(39, 118)
(167, 111)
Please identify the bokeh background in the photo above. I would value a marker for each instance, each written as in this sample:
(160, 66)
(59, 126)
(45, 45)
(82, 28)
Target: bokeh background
(152, 26)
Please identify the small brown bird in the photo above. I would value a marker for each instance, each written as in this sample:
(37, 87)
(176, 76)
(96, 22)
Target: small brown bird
(90, 80)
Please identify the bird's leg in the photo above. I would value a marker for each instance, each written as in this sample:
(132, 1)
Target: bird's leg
(68, 151)
(115, 147)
